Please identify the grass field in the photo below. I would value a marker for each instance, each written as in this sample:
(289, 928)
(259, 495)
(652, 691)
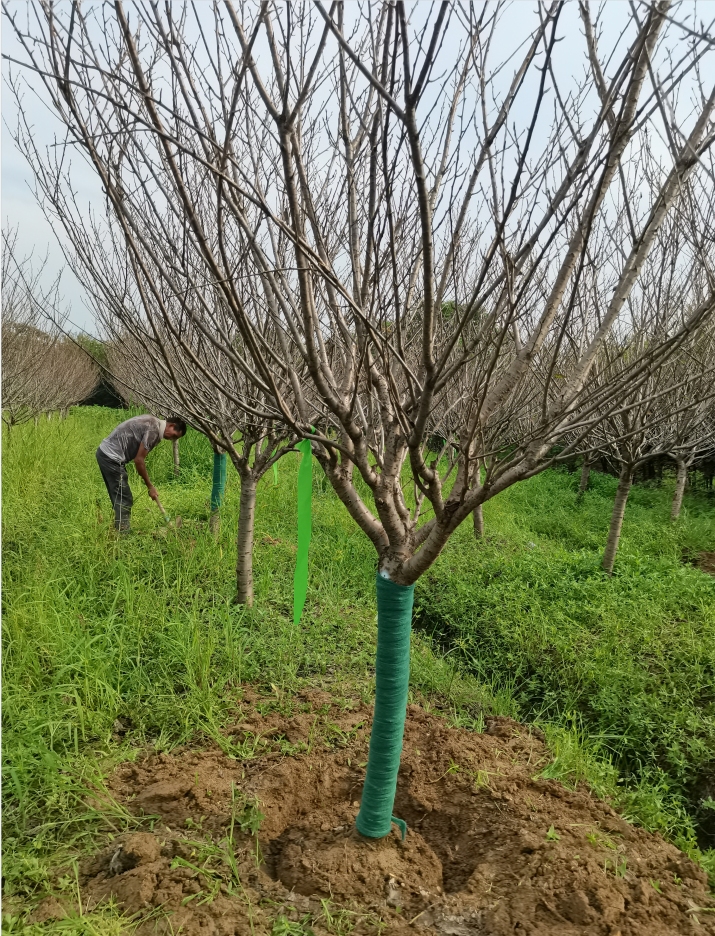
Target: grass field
(628, 660)
(619, 672)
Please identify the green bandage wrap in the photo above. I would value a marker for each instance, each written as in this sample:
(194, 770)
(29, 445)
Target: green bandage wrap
(392, 677)
(219, 481)
(305, 494)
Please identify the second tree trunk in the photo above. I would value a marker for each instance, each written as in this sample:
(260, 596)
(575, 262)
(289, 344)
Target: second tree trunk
(244, 542)
(681, 479)
(478, 518)
(619, 508)
(585, 475)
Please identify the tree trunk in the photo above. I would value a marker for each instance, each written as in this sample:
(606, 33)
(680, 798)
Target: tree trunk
(244, 542)
(478, 518)
(681, 479)
(392, 678)
(36, 420)
(215, 525)
(176, 458)
(585, 475)
(619, 508)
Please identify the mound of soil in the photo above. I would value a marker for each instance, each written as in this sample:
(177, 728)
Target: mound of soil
(491, 848)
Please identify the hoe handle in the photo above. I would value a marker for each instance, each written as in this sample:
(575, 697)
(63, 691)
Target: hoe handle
(161, 508)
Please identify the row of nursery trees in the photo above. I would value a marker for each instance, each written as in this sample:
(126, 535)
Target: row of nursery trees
(372, 231)
(671, 417)
(43, 371)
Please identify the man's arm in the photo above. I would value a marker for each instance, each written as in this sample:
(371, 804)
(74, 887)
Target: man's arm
(140, 465)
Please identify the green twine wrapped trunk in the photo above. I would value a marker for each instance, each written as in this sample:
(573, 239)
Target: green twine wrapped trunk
(392, 677)
(305, 493)
(219, 481)
(392, 671)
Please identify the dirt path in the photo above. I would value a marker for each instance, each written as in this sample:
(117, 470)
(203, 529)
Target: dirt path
(491, 849)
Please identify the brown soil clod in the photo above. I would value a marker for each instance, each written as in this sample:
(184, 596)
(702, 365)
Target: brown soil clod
(135, 850)
(491, 847)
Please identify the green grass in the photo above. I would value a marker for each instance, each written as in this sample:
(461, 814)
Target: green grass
(144, 629)
(630, 660)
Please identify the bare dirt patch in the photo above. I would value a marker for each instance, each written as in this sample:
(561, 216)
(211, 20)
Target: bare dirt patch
(706, 562)
(491, 848)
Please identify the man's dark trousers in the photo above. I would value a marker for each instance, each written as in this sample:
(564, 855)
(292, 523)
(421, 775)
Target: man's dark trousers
(120, 494)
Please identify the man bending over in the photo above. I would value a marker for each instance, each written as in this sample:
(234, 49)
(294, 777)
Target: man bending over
(132, 440)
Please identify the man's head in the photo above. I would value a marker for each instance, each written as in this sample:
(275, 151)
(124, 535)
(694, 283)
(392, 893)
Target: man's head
(175, 428)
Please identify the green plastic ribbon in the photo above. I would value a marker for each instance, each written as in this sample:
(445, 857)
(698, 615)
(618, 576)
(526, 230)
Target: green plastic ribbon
(392, 678)
(305, 492)
(401, 825)
(219, 481)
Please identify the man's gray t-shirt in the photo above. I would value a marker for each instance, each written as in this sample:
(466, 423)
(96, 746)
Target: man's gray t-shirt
(122, 444)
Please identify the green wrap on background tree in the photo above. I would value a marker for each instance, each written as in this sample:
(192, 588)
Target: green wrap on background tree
(219, 481)
(305, 494)
(392, 678)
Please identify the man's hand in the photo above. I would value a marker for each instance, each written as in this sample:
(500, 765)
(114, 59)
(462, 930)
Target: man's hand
(153, 494)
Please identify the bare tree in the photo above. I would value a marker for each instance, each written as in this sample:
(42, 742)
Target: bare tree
(42, 371)
(157, 371)
(654, 419)
(24, 342)
(68, 376)
(160, 356)
(690, 416)
(644, 421)
(361, 171)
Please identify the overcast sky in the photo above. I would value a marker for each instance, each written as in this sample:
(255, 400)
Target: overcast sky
(19, 207)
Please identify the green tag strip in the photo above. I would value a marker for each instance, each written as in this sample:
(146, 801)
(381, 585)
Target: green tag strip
(305, 492)
(219, 481)
(392, 679)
